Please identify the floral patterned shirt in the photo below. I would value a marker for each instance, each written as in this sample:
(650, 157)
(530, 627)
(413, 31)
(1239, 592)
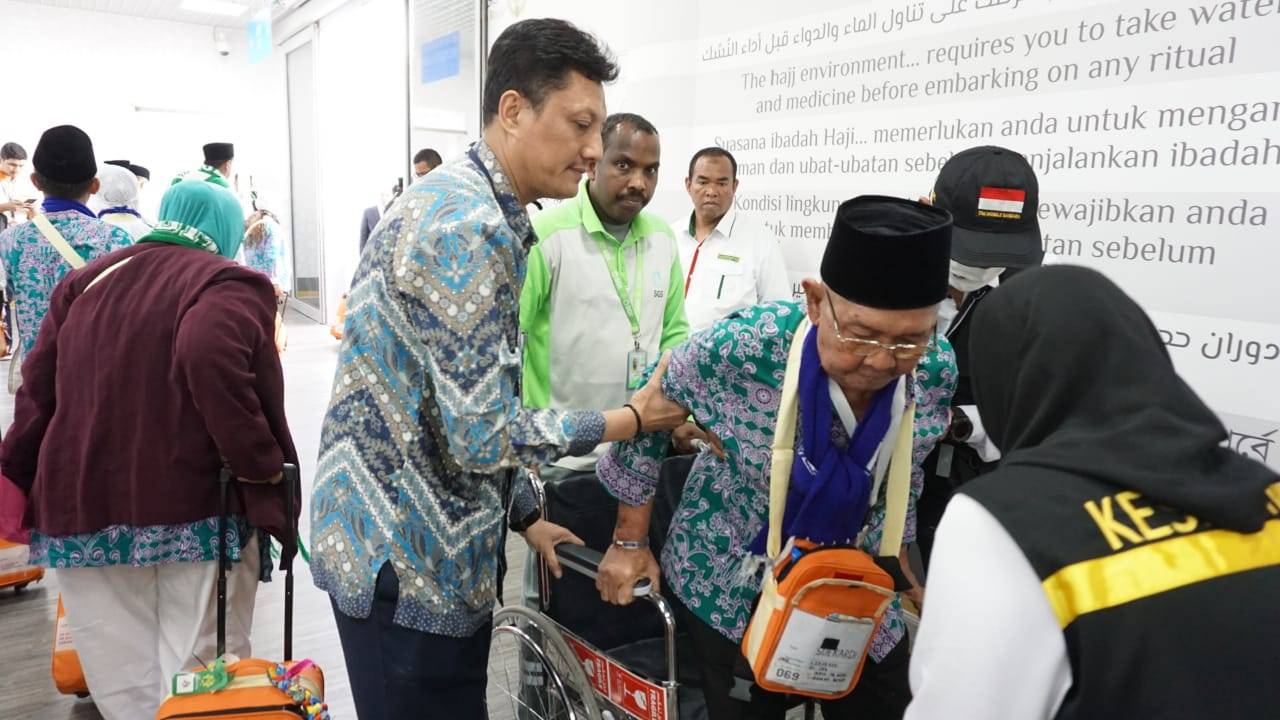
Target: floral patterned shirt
(730, 377)
(34, 267)
(267, 255)
(425, 423)
(138, 546)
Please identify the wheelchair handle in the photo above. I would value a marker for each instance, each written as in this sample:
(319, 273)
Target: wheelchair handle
(586, 561)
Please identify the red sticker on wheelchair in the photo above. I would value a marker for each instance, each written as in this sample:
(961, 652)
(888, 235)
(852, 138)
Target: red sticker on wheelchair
(593, 663)
(639, 698)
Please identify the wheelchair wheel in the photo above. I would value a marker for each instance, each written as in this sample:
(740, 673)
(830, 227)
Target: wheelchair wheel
(533, 674)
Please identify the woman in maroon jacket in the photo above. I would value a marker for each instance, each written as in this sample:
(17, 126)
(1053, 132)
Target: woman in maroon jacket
(154, 368)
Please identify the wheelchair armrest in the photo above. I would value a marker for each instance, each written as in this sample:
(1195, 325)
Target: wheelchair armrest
(586, 561)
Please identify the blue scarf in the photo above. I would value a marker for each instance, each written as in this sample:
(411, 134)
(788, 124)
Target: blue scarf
(53, 205)
(830, 490)
(120, 210)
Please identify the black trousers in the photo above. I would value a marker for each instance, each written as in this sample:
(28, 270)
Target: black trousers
(398, 673)
(882, 692)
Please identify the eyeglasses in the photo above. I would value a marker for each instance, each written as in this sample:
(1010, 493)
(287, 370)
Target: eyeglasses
(867, 348)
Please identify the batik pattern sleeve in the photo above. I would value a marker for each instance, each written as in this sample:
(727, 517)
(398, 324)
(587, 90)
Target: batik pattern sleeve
(936, 378)
(727, 375)
(455, 285)
(524, 498)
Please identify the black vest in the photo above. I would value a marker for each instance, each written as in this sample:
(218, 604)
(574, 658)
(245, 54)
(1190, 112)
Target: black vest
(1154, 625)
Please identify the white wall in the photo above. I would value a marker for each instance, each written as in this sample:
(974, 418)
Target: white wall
(705, 73)
(104, 67)
(95, 70)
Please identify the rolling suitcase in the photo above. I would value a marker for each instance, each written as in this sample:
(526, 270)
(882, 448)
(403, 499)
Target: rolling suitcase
(15, 571)
(252, 688)
(68, 676)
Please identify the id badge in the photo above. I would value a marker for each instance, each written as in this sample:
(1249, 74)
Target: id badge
(637, 361)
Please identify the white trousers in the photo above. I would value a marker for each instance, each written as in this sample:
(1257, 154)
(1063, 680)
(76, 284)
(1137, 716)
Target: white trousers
(134, 628)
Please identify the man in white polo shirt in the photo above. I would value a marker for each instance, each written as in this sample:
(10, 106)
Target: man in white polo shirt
(730, 261)
(603, 295)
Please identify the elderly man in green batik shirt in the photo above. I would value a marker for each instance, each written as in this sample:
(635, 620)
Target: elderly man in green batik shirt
(872, 349)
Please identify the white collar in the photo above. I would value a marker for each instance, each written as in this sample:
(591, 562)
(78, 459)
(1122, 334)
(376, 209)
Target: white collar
(843, 409)
(724, 227)
(850, 423)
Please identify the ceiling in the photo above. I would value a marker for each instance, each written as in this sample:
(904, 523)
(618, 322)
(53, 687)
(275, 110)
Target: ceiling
(155, 9)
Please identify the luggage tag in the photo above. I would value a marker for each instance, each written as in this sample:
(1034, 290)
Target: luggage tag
(820, 654)
(637, 361)
(210, 680)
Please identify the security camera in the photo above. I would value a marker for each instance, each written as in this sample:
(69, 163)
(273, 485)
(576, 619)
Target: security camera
(221, 43)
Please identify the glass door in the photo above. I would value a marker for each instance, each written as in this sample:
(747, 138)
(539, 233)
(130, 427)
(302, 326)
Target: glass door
(304, 178)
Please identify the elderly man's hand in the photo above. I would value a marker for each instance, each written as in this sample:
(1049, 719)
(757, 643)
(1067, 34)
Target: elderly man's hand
(688, 436)
(621, 570)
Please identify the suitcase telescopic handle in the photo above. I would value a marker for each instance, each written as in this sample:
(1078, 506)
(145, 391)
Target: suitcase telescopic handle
(290, 481)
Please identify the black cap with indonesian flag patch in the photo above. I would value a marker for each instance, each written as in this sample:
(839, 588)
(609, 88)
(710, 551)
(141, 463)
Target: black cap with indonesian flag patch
(993, 194)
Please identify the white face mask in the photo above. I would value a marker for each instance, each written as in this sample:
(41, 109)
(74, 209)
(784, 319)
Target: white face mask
(947, 312)
(967, 279)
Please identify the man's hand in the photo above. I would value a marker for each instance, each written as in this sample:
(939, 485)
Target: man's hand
(12, 206)
(621, 570)
(685, 435)
(657, 412)
(544, 536)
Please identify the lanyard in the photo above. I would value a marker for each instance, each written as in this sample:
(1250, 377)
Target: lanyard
(617, 273)
(693, 264)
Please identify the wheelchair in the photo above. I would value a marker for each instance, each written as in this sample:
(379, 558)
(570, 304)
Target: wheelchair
(566, 654)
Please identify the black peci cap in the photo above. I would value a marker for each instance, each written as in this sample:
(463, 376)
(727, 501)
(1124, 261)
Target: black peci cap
(217, 153)
(889, 253)
(65, 155)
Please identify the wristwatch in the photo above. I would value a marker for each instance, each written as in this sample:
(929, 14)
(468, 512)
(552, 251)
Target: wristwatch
(961, 426)
(641, 544)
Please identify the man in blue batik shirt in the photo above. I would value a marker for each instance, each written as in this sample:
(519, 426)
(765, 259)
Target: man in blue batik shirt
(425, 428)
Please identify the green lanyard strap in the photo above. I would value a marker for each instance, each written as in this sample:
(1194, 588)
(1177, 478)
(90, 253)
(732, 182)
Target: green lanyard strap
(617, 272)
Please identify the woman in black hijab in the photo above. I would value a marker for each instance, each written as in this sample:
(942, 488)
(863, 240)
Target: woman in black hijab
(1121, 563)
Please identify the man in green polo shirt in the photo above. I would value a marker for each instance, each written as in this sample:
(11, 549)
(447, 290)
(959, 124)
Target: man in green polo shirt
(603, 296)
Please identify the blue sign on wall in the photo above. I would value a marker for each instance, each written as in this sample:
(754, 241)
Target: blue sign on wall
(260, 37)
(441, 57)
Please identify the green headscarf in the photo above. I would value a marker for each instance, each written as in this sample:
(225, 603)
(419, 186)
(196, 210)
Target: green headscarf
(201, 215)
